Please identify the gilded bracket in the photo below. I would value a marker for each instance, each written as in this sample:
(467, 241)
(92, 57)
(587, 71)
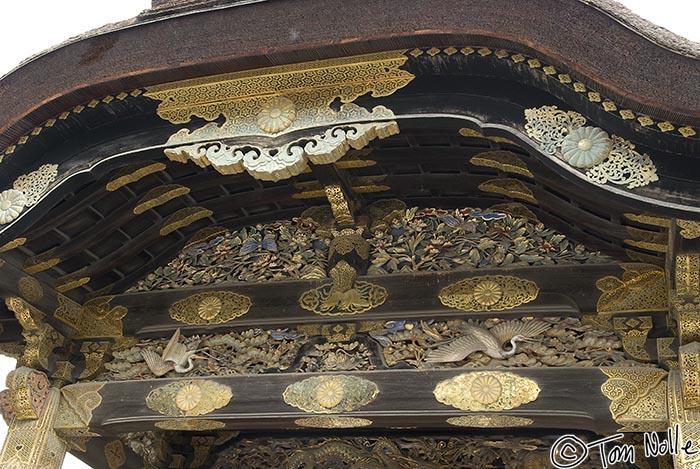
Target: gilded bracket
(634, 331)
(40, 338)
(637, 398)
(642, 288)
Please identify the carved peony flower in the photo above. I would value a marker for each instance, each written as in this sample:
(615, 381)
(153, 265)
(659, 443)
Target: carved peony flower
(209, 308)
(488, 293)
(276, 115)
(586, 147)
(12, 202)
(330, 393)
(486, 390)
(188, 397)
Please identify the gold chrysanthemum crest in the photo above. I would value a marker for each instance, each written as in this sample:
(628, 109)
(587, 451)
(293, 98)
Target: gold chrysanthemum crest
(331, 394)
(489, 293)
(210, 308)
(486, 391)
(189, 398)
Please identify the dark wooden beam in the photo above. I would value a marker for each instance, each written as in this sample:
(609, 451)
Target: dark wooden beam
(565, 290)
(570, 398)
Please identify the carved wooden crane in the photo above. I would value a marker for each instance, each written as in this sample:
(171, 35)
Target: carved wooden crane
(489, 341)
(175, 357)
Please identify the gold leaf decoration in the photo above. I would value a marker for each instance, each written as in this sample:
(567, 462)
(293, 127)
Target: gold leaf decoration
(174, 400)
(489, 293)
(642, 288)
(30, 289)
(689, 229)
(133, 173)
(510, 188)
(190, 425)
(504, 160)
(183, 218)
(637, 398)
(159, 196)
(486, 391)
(14, 244)
(331, 394)
(210, 308)
(489, 421)
(345, 296)
(114, 454)
(333, 422)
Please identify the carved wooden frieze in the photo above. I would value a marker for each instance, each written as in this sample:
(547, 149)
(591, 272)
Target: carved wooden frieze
(486, 391)
(331, 394)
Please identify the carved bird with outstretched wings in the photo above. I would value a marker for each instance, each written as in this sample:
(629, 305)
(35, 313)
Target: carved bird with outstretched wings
(489, 341)
(175, 357)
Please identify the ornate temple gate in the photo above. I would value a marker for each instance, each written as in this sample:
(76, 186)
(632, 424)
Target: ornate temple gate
(441, 256)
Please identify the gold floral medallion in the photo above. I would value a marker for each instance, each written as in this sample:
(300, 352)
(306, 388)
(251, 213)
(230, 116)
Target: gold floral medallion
(481, 391)
(188, 397)
(209, 308)
(329, 394)
(486, 389)
(488, 293)
(276, 115)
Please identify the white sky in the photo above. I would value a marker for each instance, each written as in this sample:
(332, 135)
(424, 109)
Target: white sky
(31, 26)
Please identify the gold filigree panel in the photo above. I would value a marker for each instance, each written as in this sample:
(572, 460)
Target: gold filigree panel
(642, 288)
(489, 293)
(189, 398)
(210, 308)
(78, 402)
(114, 454)
(689, 229)
(688, 275)
(637, 398)
(190, 425)
(510, 188)
(689, 359)
(333, 422)
(489, 421)
(276, 100)
(634, 331)
(331, 394)
(504, 160)
(687, 419)
(486, 391)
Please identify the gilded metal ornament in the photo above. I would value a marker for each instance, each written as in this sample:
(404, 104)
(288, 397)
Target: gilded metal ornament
(689, 229)
(489, 421)
(348, 240)
(333, 422)
(606, 159)
(689, 360)
(190, 425)
(210, 308)
(183, 218)
(34, 443)
(486, 391)
(489, 293)
(159, 196)
(114, 454)
(642, 288)
(40, 338)
(133, 173)
(331, 394)
(97, 319)
(512, 188)
(36, 183)
(300, 93)
(26, 394)
(189, 398)
(78, 403)
(339, 205)
(686, 418)
(12, 204)
(637, 398)
(634, 331)
(688, 274)
(14, 244)
(30, 289)
(94, 353)
(506, 161)
(345, 296)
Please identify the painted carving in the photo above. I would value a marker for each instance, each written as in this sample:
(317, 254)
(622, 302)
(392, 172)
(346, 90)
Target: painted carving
(176, 357)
